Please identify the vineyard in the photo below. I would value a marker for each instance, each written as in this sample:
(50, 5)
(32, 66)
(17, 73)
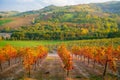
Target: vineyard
(60, 62)
(60, 40)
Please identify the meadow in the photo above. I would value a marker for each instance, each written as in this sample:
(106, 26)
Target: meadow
(93, 42)
(2, 22)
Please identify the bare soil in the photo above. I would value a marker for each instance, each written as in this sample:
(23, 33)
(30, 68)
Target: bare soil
(19, 21)
(52, 69)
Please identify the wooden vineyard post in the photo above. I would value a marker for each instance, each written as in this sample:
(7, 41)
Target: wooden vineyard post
(118, 72)
(1, 66)
(9, 63)
(105, 69)
(67, 73)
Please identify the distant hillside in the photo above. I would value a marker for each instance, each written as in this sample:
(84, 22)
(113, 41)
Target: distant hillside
(83, 21)
(79, 14)
(27, 13)
(8, 13)
(13, 23)
(110, 7)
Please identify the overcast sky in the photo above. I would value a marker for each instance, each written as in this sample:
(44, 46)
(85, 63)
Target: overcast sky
(26, 5)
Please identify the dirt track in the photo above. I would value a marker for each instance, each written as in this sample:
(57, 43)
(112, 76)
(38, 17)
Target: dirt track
(51, 69)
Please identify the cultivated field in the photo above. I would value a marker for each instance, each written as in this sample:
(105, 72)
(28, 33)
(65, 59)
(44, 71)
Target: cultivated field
(16, 22)
(33, 62)
(51, 69)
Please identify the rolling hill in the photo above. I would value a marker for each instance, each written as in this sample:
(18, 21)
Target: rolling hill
(8, 13)
(95, 20)
(110, 7)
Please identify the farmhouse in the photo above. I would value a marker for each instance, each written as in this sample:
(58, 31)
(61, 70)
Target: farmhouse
(6, 35)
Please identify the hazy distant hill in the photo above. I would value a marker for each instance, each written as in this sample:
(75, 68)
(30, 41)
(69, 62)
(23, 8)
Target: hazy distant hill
(111, 7)
(8, 13)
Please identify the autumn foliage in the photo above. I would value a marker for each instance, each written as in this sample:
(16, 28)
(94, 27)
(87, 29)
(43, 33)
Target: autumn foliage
(28, 57)
(33, 57)
(105, 56)
(65, 57)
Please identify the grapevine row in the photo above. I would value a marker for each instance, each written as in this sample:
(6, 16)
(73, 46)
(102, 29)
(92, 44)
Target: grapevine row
(66, 58)
(28, 57)
(105, 56)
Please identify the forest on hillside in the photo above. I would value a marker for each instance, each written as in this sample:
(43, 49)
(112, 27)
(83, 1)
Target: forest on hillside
(76, 22)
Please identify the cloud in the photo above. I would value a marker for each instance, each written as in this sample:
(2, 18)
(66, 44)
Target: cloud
(70, 2)
(25, 0)
(59, 2)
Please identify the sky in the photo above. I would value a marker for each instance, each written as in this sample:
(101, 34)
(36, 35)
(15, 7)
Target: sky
(27, 5)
